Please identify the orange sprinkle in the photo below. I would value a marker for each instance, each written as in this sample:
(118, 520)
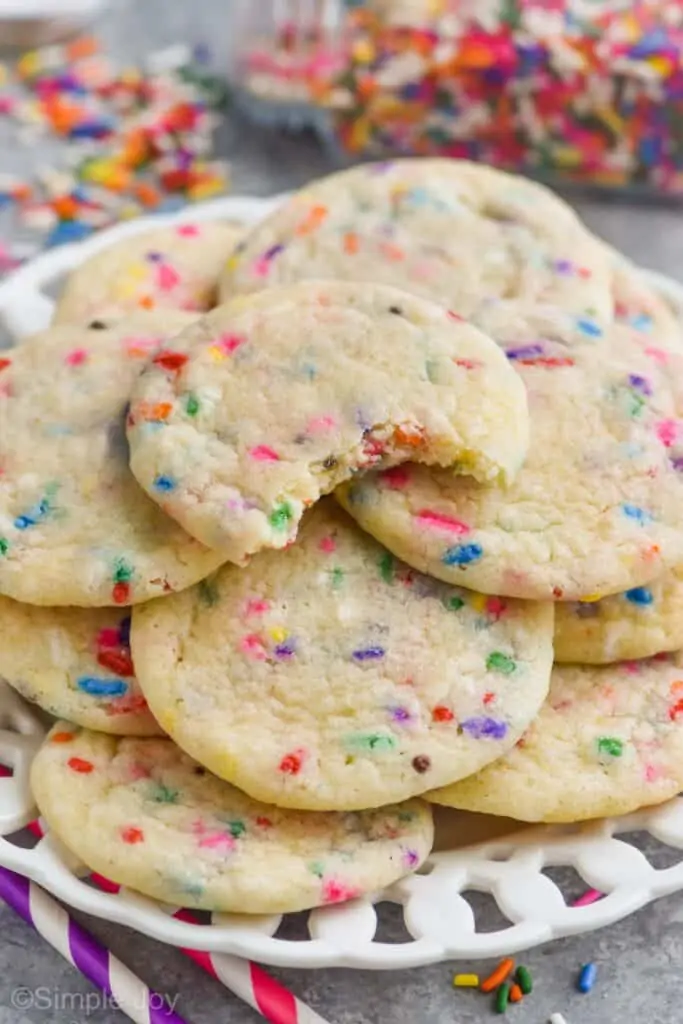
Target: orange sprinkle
(498, 976)
(62, 737)
(146, 194)
(515, 994)
(146, 301)
(392, 252)
(84, 46)
(316, 215)
(153, 410)
(411, 438)
(132, 835)
(676, 688)
(351, 243)
(65, 207)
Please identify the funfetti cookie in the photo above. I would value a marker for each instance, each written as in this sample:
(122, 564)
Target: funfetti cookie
(165, 268)
(75, 663)
(608, 740)
(332, 677)
(273, 399)
(147, 816)
(477, 240)
(75, 527)
(636, 624)
(597, 507)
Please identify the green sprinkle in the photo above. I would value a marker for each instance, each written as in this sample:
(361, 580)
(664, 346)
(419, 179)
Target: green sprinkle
(386, 567)
(208, 592)
(405, 816)
(610, 746)
(4, 545)
(280, 516)
(192, 405)
(163, 795)
(499, 662)
(123, 572)
(237, 829)
(337, 577)
(524, 980)
(502, 997)
(317, 868)
(373, 742)
(454, 604)
(432, 370)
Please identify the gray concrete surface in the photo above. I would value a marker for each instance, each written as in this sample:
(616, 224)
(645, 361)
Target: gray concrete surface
(639, 959)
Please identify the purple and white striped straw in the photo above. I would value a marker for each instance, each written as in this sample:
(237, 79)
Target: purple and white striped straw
(85, 952)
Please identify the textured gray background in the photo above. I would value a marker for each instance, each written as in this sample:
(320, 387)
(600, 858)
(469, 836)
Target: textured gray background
(639, 959)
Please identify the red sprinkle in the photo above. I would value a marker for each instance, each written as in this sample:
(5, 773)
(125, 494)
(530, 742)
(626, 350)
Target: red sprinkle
(77, 764)
(442, 714)
(121, 593)
(291, 763)
(426, 517)
(170, 360)
(117, 661)
(62, 737)
(132, 835)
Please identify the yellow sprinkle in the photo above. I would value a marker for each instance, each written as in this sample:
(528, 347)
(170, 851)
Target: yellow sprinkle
(216, 353)
(364, 52)
(466, 981)
(278, 634)
(609, 117)
(232, 263)
(567, 156)
(591, 598)
(478, 601)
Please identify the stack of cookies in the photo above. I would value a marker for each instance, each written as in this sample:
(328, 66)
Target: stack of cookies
(400, 518)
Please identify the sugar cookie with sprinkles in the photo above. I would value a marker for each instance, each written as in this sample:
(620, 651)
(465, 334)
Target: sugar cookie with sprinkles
(597, 507)
(145, 815)
(273, 399)
(165, 268)
(333, 677)
(75, 663)
(635, 624)
(608, 740)
(75, 528)
(467, 236)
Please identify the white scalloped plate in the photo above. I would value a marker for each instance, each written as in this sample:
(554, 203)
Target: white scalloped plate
(439, 920)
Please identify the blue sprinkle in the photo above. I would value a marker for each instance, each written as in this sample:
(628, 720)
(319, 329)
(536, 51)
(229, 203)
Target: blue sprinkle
(634, 512)
(369, 653)
(285, 650)
(462, 554)
(484, 728)
(641, 322)
(102, 687)
(23, 522)
(165, 483)
(587, 977)
(589, 327)
(639, 595)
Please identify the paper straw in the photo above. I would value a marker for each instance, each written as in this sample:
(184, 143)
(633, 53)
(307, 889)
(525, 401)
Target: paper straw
(245, 979)
(84, 951)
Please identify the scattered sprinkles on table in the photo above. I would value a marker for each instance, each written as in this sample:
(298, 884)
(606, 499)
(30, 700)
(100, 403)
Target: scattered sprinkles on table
(146, 816)
(310, 694)
(136, 139)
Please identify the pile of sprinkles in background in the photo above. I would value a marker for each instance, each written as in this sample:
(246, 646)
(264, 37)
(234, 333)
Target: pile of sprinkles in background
(548, 87)
(136, 139)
